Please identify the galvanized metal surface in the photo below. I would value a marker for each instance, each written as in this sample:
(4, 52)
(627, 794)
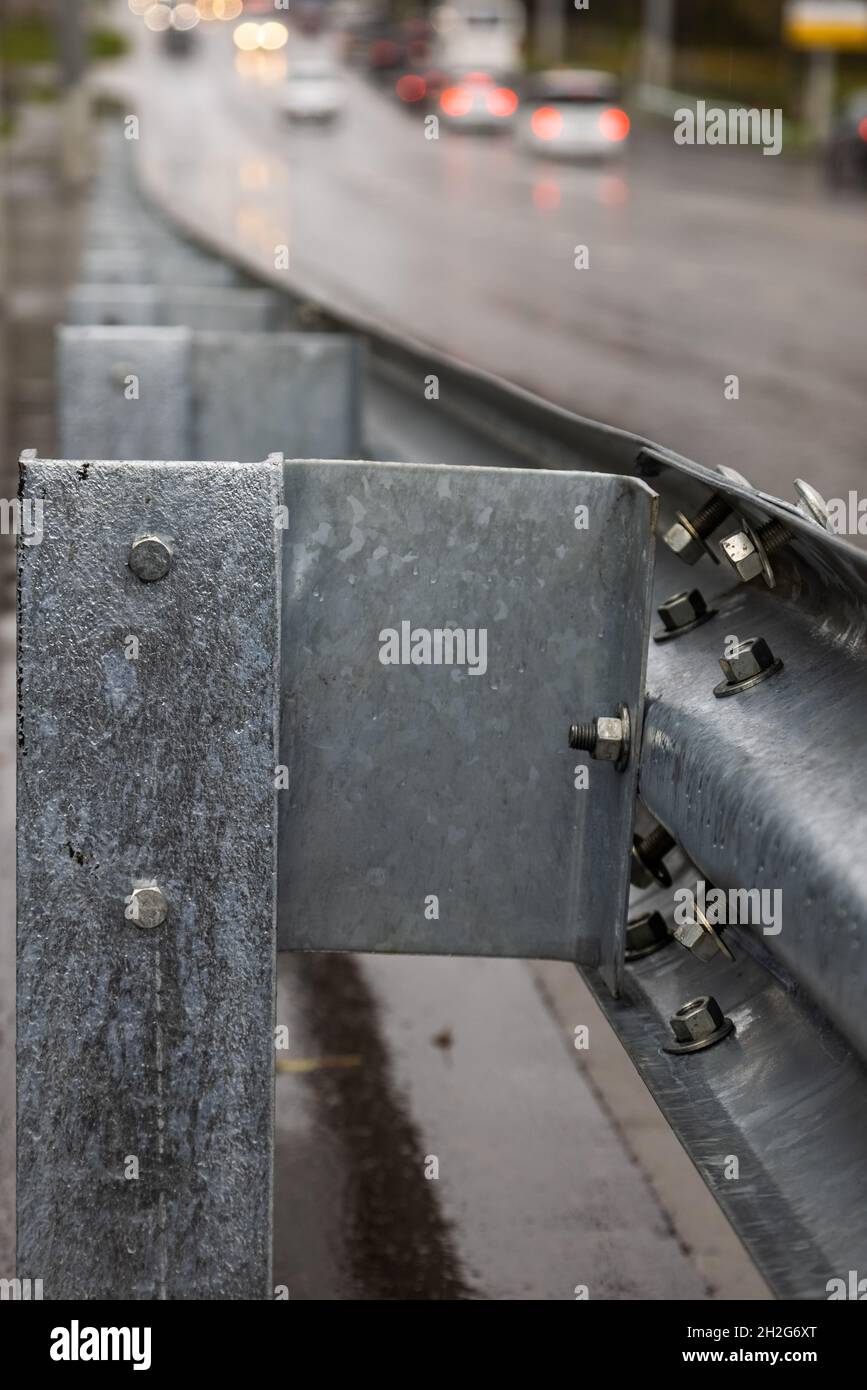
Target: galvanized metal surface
(413, 782)
(153, 1045)
(763, 790)
(255, 394)
(784, 1096)
(207, 308)
(124, 393)
(133, 393)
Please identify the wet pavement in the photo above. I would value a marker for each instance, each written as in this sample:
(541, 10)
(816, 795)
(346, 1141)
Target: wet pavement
(704, 262)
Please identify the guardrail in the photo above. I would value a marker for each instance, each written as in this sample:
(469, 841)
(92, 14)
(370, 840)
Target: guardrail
(759, 791)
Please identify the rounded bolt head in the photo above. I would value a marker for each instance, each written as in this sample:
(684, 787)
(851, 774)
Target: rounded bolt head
(740, 551)
(683, 541)
(752, 658)
(150, 558)
(148, 907)
(734, 476)
(682, 609)
(698, 1020)
(812, 504)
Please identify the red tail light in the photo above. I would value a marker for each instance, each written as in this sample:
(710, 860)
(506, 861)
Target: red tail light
(410, 87)
(456, 101)
(862, 128)
(614, 124)
(502, 101)
(546, 123)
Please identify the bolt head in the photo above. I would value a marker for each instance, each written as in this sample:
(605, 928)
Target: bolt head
(751, 659)
(682, 540)
(647, 930)
(682, 609)
(697, 1020)
(694, 938)
(609, 739)
(812, 504)
(150, 558)
(148, 907)
(740, 551)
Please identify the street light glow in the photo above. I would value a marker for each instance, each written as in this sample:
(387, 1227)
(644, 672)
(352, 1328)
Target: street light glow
(158, 18)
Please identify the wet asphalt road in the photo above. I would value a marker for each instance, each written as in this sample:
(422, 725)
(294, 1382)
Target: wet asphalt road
(704, 262)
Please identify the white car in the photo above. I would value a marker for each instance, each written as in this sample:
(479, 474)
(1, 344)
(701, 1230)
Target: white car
(313, 92)
(477, 101)
(573, 115)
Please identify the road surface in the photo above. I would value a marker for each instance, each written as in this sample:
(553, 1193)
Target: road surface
(704, 263)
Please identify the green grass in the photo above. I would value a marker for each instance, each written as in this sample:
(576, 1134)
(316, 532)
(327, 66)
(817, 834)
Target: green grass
(30, 41)
(107, 43)
(27, 41)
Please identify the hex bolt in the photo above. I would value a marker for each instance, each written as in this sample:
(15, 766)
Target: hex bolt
(773, 536)
(604, 738)
(147, 906)
(681, 613)
(686, 538)
(702, 939)
(645, 935)
(648, 852)
(752, 663)
(150, 558)
(749, 551)
(698, 1024)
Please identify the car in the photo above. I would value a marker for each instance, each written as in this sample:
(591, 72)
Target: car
(846, 151)
(476, 101)
(575, 114)
(313, 91)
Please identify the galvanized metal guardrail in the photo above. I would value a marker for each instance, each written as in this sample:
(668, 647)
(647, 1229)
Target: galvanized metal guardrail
(143, 393)
(757, 791)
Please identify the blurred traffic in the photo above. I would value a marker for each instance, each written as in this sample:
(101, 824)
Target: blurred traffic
(504, 182)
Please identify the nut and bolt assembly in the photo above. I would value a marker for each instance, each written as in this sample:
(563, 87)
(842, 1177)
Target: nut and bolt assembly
(701, 937)
(648, 852)
(751, 663)
(150, 558)
(698, 1024)
(645, 935)
(749, 550)
(605, 738)
(147, 906)
(687, 538)
(681, 613)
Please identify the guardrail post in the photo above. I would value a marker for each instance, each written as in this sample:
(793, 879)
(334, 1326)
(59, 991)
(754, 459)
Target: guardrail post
(146, 878)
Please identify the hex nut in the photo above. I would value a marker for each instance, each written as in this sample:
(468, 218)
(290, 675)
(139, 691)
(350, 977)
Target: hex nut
(150, 558)
(682, 540)
(694, 938)
(646, 934)
(682, 609)
(148, 907)
(752, 658)
(609, 739)
(698, 1020)
(740, 551)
